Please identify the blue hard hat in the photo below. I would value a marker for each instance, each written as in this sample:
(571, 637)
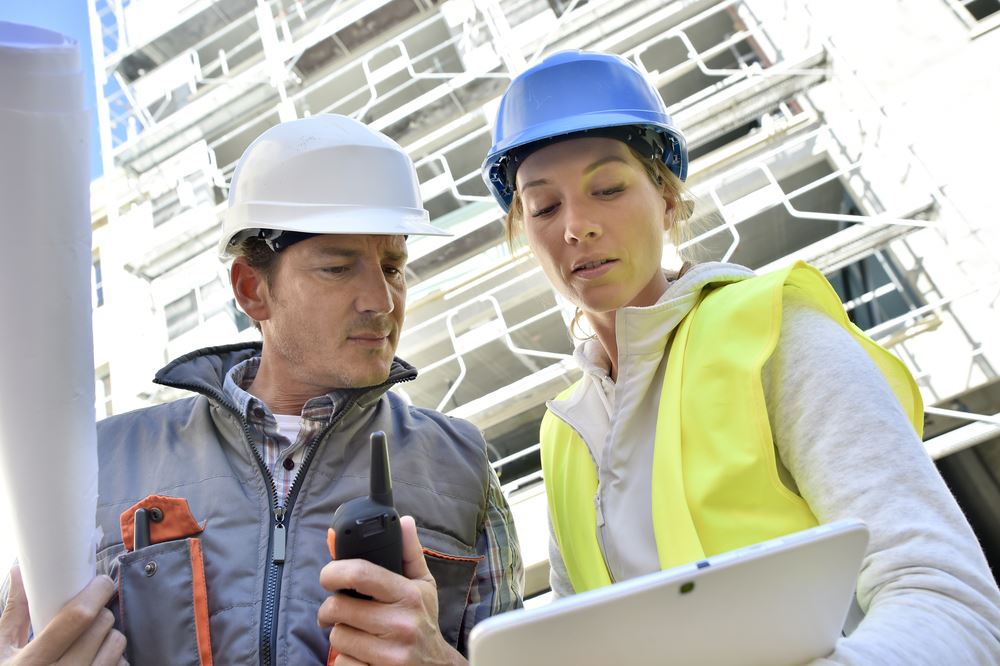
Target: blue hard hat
(572, 92)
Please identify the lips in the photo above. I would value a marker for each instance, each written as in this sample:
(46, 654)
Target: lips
(591, 264)
(369, 336)
(371, 329)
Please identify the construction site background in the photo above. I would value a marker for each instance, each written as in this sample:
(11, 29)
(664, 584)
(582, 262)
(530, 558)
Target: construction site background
(858, 136)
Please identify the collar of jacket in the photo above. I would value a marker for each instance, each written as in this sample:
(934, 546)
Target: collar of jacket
(204, 371)
(646, 330)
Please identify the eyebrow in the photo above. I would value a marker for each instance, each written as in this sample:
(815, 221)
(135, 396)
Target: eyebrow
(350, 253)
(590, 169)
(335, 251)
(396, 257)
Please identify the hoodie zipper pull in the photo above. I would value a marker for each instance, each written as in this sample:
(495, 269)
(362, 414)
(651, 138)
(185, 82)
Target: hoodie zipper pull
(278, 551)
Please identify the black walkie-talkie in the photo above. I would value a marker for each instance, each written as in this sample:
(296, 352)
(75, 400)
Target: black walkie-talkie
(368, 527)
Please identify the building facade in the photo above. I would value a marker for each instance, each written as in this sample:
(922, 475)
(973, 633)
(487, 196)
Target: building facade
(857, 136)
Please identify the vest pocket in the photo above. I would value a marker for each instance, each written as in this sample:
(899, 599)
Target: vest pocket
(454, 575)
(163, 604)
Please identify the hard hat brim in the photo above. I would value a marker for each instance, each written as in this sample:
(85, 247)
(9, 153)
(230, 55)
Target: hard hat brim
(574, 125)
(579, 123)
(327, 219)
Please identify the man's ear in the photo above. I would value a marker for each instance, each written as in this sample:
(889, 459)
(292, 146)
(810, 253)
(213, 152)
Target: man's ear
(250, 289)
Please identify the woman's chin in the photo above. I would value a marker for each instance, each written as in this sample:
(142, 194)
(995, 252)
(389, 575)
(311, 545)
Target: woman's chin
(601, 306)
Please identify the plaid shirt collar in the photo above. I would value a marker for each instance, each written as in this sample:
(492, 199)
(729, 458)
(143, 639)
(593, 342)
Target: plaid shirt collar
(280, 456)
(241, 376)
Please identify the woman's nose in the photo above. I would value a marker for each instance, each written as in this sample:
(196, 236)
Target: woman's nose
(580, 224)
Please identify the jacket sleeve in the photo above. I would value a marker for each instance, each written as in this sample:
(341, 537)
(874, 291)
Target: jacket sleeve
(924, 585)
(499, 580)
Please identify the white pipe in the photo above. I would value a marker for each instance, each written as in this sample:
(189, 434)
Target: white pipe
(965, 416)
(547, 37)
(960, 439)
(774, 70)
(458, 357)
(728, 224)
(517, 455)
(785, 200)
(507, 330)
(519, 278)
(454, 340)
(837, 217)
(886, 326)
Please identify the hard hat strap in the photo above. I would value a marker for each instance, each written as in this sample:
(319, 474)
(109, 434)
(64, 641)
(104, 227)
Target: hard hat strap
(276, 239)
(282, 240)
(647, 142)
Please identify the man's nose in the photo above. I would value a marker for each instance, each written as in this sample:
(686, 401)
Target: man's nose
(375, 294)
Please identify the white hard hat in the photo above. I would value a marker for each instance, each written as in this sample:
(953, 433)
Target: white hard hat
(327, 174)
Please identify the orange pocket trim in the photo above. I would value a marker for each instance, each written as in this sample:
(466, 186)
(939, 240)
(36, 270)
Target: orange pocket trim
(445, 556)
(200, 589)
(331, 542)
(177, 521)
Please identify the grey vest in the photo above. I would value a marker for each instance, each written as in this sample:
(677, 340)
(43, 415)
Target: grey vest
(198, 449)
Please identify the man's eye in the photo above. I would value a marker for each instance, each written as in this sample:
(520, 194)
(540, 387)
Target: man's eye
(334, 269)
(392, 270)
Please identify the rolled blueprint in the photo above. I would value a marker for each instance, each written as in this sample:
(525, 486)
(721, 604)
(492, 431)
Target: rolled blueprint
(48, 444)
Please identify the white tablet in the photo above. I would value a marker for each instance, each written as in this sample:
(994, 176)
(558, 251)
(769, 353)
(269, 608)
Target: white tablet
(782, 601)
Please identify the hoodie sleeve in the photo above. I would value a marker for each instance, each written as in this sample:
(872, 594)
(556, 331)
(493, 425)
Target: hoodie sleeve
(925, 586)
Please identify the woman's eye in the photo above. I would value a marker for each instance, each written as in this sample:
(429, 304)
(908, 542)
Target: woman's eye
(611, 191)
(542, 212)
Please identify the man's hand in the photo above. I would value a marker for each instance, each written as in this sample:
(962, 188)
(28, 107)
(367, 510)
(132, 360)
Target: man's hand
(81, 632)
(399, 624)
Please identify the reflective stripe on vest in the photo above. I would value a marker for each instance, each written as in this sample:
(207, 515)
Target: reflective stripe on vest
(715, 484)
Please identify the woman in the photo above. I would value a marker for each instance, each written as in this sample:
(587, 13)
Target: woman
(717, 408)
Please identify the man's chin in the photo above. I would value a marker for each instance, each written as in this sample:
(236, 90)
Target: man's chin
(373, 376)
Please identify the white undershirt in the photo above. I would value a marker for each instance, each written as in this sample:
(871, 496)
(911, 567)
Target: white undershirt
(289, 426)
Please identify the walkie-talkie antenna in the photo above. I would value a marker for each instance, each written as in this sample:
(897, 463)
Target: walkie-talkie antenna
(367, 527)
(381, 481)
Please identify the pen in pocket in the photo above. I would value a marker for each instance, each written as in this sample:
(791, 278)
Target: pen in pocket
(141, 526)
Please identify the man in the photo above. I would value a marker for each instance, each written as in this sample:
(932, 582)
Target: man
(215, 508)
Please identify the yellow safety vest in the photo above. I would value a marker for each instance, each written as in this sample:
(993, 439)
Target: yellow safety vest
(715, 484)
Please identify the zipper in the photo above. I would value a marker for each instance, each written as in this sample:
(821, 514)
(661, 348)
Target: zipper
(279, 534)
(278, 537)
(276, 549)
(601, 531)
(598, 510)
(272, 579)
(278, 523)
(279, 528)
